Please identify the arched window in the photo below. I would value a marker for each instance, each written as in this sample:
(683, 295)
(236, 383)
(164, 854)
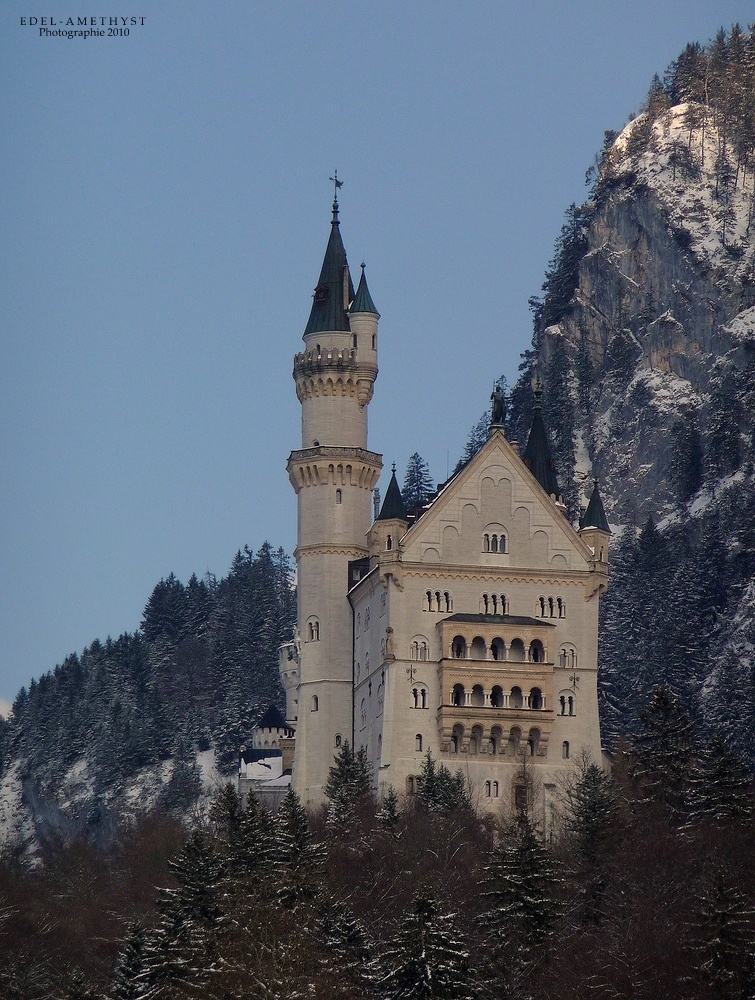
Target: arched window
(504, 605)
(423, 697)
(561, 607)
(565, 750)
(494, 604)
(374, 341)
(389, 542)
(457, 736)
(429, 600)
(411, 785)
(364, 713)
(315, 703)
(503, 545)
(423, 651)
(316, 631)
(541, 602)
(438, 605)
(355, 341)
(338, 740)
(458, 696)
(339, 496)
(494, 543)
(562, 703)
(485, 604)
(414, 651)
(478, 696)
(495, 789)
(570, 701)
(496, 697)
(459, 647)
(550, 607)
(536, 699)
(415, 695)
(447, 599)
(537, 651)
(380, 700)
(486, 543)
(418, 743)
(487, 789)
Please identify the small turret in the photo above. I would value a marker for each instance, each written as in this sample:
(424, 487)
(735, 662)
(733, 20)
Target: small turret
(593, 526)
(391, 523)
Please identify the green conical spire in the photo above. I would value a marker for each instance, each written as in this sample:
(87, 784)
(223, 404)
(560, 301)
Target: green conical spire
(334, 290)
(595, 515)
(363, 300)
(393, 505)
(537, 455)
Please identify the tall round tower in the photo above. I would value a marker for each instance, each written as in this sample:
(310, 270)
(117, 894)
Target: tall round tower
(333, 474)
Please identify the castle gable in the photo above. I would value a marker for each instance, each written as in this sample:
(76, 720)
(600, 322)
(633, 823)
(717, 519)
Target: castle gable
(494, 513)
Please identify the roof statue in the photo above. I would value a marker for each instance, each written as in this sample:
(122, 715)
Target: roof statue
(498, 414)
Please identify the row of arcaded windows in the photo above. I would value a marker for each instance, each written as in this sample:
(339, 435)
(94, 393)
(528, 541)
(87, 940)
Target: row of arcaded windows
(494, 604)
(478, 649)
(494, 543)
(437, 601)
(418, 650)
(512, 746)
(516, 698)
(551, 607)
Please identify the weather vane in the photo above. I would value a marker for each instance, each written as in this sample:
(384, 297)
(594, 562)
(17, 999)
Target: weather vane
(336, 184)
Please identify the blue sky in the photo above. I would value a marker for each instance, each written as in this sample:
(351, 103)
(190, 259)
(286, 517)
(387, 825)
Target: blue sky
(164, 213)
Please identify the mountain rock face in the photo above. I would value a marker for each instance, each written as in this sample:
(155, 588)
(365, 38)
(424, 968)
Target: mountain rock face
(652, 363)
(663, 310)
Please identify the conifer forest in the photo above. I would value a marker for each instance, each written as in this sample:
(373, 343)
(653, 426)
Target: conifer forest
(125, 875)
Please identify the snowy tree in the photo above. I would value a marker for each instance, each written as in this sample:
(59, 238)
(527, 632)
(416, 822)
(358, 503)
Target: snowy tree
(725, 933)
(664, 748)
(127, 980)
(591, 811)
(520, 884)
(719, 786)
(428, 958)
(298, 859)
(439, 790)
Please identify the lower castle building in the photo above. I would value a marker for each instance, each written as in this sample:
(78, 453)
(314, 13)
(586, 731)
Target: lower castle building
(468, 629)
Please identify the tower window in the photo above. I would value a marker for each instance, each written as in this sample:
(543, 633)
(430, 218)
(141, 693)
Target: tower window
(374, 342)
(389, 542)
(418, 743)
(565, 750)
(339, 496)
(338, 741)
(355, 341)
(315, 703)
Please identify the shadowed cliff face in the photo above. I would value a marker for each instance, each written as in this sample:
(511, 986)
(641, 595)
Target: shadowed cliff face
(659, 317)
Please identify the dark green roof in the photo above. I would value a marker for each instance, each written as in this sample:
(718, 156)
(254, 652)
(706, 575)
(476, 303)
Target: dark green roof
(475, 619)
(537, 455)
(363, 300)
(328, 308)
(272, 719)
(393, 505)
(595, 515)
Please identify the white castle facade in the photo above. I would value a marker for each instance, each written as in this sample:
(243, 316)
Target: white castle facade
(468, 629)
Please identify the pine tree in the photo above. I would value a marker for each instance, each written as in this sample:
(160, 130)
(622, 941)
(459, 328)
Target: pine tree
(719, 787)
(520, 884)
(591, 812)
(389, 814)
(298, 860)
(664, 748)
(127, 980)
(349, 782)
(418, 485)
(428, 959)
(725, 932)
(440, 791)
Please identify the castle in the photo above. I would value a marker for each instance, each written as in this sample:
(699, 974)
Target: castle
(469, 628)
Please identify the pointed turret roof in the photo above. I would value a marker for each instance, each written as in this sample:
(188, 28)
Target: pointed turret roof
(537, 455)
(363, 300)
(393, 506)
(595, 515)
(330, 299)
(272, 719)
